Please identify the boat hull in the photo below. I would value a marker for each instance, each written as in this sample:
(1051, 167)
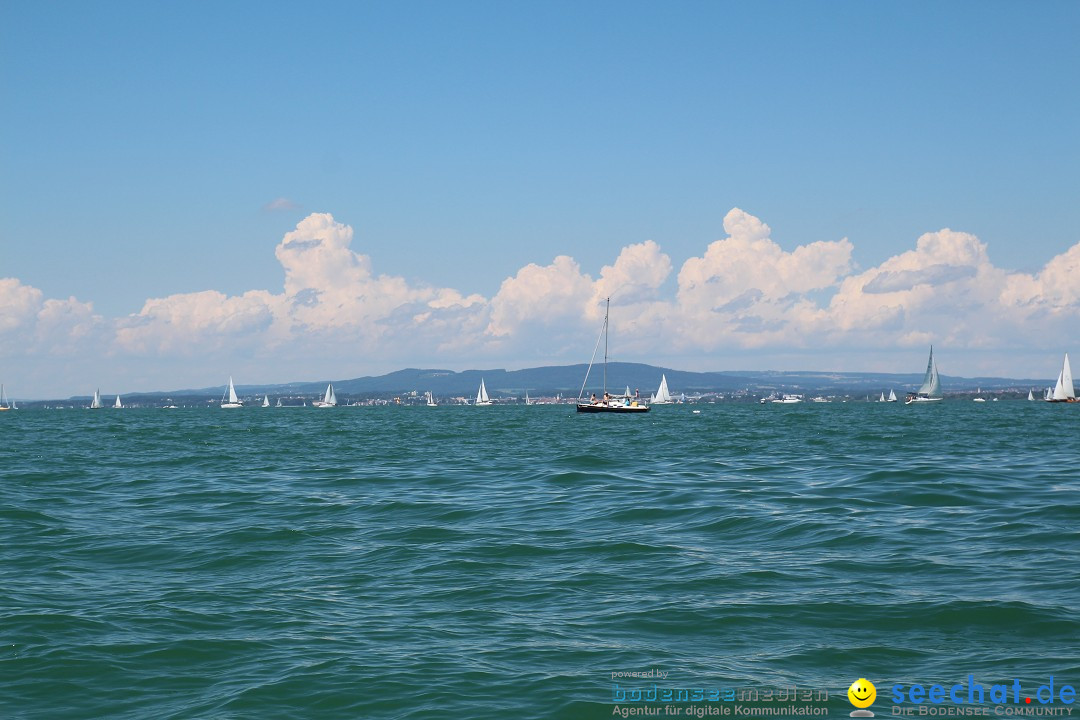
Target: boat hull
(601, 408)
(231, 406)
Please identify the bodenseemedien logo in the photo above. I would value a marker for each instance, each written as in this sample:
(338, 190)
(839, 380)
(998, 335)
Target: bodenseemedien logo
(862, 694)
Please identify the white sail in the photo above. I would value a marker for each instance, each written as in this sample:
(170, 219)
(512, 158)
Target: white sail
(278, 403)
(3, 399)
(1030, 396)
(882, 398)
(482, 394)
(1067, 380)
(892, 396)
(931, 386)
(96, 402)
(118, 404)
(329, 398)
(527, 400)
(266, 401)
(663, 395)
(229, 400)
(1064, 389)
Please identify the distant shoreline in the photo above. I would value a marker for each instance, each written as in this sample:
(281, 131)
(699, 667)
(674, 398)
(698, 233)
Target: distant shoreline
(565, 380)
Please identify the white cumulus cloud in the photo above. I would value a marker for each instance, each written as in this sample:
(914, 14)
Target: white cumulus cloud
(334, 314)
(748, 291)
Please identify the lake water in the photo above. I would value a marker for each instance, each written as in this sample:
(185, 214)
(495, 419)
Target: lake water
(507, 562)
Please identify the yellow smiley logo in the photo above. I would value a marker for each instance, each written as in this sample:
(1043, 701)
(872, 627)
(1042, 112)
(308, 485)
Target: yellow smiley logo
(862, 693)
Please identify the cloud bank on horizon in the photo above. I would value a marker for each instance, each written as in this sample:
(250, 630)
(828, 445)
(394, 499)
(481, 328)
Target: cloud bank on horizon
(335, 315)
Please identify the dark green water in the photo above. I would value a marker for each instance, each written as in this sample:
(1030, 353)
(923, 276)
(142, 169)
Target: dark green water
(503, 562)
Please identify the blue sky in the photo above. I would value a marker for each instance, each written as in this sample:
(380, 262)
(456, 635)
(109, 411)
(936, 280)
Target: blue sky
(143, 147)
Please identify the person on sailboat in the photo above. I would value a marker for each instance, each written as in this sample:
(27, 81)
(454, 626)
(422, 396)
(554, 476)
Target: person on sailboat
(593, 399)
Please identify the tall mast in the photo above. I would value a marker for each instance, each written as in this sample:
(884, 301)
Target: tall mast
(607, 310)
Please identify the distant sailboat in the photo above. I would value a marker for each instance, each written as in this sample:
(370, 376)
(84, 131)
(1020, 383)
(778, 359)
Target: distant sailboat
(4, 403)
(95, 404)
(527, 400)
(329, 398)
(482, 399)
(892, 396)
(229, 399)
(1031, 398)
(882, 398)
(430, 400)
(663, 395)
(266, 401)
(118, 404)
(1064, 390)
(931, 387)
(278, 403)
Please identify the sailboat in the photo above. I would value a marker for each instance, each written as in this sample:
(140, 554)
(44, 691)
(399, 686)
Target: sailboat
(482, 399)
(118, 404)
(266, 401)
(608, 403)
(329, 398)
(229, 399)
(4, 403)
(1063, 390)
(931, 386)
(1031, 398)
(95, 404)
(430, 400)
(527, 400)
(663, 395)
(892, 396)
(278, 403)
(882, 398)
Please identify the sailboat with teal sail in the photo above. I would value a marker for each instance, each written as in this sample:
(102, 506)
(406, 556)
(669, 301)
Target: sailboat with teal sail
(930, 390)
